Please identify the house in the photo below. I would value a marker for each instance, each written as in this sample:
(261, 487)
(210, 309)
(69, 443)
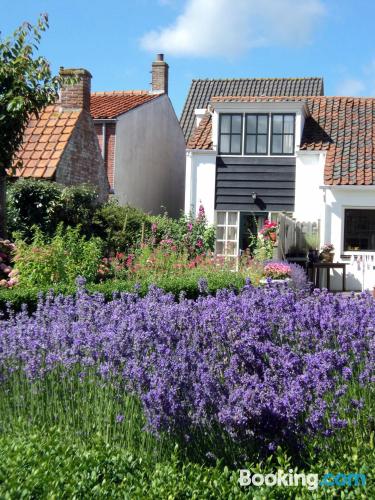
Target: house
(309, 156)
(61, 144)
(142, 144)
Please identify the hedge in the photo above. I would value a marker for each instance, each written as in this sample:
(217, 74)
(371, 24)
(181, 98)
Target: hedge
(17, 296)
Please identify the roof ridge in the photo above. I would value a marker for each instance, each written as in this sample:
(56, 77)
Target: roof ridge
(259, 78)
(121, 92)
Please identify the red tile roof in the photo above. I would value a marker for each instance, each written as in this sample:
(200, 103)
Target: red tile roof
(344, 127)
(44, 142)
(108, 105)
(202, 136)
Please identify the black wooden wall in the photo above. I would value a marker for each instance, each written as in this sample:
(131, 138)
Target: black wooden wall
(272, 178)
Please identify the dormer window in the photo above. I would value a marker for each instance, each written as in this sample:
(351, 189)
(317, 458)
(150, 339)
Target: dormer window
(282, 135)
(230, 141)
(257, 134)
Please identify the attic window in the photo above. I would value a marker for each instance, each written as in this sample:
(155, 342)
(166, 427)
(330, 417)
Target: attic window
(282, 134)
(230, 138)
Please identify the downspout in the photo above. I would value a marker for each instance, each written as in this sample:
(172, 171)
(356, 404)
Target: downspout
(104, 138)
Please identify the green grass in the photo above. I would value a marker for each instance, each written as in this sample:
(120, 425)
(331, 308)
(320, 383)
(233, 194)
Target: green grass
(60, 438)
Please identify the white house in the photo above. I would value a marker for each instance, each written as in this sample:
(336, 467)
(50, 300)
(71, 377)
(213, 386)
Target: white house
(311, 157)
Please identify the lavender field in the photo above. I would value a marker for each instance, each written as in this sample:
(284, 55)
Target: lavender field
(234, 378)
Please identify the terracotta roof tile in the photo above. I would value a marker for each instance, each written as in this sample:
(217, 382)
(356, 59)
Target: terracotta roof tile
(202, 136)
(344, 127)
(108, 105)
(44, 142)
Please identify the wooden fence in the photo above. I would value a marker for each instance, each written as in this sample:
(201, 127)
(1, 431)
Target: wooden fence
(296, 236)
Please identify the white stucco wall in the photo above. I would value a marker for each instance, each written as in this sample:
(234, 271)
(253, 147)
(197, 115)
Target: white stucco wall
(309, 178)
(200, 182)
(337, 199)
(150, 158)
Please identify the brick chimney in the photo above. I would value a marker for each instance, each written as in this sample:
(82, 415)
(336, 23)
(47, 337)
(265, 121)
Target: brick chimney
(160, 75)
(75, 95)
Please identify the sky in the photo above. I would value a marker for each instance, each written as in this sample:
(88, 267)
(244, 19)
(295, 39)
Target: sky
(117, 40)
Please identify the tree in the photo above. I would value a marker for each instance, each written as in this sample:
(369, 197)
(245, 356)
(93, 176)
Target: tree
(26, 87)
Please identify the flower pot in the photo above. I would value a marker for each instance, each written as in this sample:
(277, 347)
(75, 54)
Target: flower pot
(373, 292)
(327, 256)
(272, 236)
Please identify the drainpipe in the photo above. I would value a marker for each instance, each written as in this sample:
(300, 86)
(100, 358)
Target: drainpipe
(104, 133)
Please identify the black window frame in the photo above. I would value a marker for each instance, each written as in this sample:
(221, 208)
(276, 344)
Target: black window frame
(283, 134)
(267, 134)
(345, 235)
(230, 133)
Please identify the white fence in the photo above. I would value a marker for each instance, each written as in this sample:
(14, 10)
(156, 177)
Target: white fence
(296, 235)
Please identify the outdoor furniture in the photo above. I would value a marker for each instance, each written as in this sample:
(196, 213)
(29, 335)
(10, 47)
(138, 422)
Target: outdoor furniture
(301, 261)
(317, 266)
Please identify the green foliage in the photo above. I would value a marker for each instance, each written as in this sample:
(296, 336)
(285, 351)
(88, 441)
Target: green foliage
(188, 283)
(188, 233)
(26, 86)
(45, 204)
(78, 206)
(33, 202)
(120, 227)
(59, 261)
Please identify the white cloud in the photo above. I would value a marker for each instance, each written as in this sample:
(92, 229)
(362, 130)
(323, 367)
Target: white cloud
(363, 84)
(351, 87)
(230, 27)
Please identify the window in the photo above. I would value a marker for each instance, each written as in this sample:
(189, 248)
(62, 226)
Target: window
(256, 134)
(282, 135)
(359, 230)
(227, 234)
(230, 140)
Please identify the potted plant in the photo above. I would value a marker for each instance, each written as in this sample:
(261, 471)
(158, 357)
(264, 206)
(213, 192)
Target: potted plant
(327, 252)
(276, 271)
(269, 230)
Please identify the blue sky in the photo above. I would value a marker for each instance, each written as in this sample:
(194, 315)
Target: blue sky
(118, 39)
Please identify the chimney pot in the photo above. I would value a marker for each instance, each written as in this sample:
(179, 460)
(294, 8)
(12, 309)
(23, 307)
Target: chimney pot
(160, 57)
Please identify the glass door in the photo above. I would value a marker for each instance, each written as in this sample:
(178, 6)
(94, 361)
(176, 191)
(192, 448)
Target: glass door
(250, 225)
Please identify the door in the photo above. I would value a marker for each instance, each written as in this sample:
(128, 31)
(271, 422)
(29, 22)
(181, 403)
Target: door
(250, 224)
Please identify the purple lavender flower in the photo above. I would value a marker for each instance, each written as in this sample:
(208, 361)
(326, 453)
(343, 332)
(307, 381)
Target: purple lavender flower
(262, 365)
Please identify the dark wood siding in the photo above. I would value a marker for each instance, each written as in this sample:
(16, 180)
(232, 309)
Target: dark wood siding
(272, 178)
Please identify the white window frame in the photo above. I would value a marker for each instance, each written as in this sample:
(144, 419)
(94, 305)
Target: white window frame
(226, 226)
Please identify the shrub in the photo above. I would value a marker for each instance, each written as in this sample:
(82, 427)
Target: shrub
(79, 204)
(121, 228)
(45, 204)
(31, 203)
(58, 261)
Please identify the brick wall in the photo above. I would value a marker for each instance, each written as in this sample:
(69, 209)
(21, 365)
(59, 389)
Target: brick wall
(160, 75)
(76, 95)
(82, 160)
(110, 144)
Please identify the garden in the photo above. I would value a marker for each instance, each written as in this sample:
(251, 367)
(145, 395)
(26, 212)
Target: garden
(134, 363)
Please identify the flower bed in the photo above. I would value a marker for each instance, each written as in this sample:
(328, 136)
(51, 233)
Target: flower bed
(265, 367)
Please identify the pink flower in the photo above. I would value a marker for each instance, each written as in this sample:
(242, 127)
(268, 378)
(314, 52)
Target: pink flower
(154, 228)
